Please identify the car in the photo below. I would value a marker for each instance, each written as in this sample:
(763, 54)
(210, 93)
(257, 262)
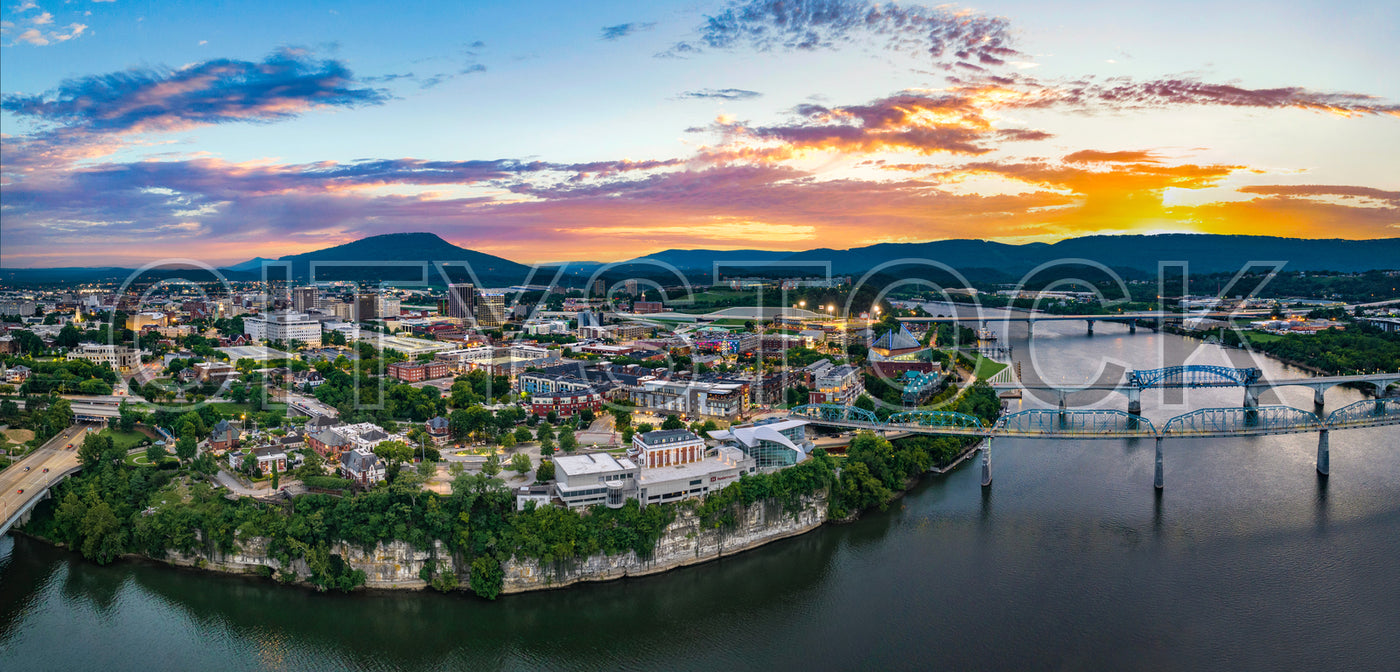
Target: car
(46, 470)
(20, 491)
(26, 468)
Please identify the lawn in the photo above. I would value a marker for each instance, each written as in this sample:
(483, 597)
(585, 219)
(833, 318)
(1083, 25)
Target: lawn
(124, 440)
(1261, 337)
(139, 460)
(984, 368)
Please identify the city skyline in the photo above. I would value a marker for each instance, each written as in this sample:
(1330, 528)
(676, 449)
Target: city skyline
(132, 134)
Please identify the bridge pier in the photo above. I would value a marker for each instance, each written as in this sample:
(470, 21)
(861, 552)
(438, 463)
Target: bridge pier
(1319, 399)
(1132, 327)
(1157, 472)
(1324, 457)
(1135, 400)
(987, 463)
(1091, 326)
(1251, 397)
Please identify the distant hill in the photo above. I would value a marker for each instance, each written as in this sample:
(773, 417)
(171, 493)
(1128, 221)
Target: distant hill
(1205, 253)
(703, 260)
(392, 257)
(360, 260)
(253, 264)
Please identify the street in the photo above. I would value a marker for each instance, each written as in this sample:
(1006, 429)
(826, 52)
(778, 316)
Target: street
(55, 455)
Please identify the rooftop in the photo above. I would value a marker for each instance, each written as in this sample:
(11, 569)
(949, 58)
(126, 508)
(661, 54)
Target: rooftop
(594, 463)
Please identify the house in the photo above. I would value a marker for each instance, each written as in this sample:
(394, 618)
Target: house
(17, 374)
(321, 422)
(437, 428)
(268, 456)
(224, 437)
(327, 442)
(361, 466)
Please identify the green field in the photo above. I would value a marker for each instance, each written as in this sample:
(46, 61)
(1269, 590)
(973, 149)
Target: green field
(124, 440)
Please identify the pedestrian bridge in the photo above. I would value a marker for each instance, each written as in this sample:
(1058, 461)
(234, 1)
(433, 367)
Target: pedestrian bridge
(1081, 424)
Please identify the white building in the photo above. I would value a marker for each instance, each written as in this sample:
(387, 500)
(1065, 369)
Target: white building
(117, 357)
(599, 478)
(284, 326)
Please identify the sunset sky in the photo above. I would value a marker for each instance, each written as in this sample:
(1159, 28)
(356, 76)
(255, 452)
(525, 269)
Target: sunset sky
(135, 131)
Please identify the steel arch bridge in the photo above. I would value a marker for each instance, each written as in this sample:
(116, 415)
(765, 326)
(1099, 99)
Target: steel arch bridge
(922, 418)
(1193, 375)
(1366, 413)
(1083, 423)
(1236, 421)
(835, 413)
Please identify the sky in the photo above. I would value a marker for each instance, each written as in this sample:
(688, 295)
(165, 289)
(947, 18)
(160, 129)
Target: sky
(139, 131)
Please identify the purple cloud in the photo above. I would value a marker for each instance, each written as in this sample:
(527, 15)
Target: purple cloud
(806, 25)
(284, 85)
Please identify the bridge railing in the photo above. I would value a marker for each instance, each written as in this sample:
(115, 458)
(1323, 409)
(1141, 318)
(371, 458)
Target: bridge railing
(1263, 419)
(922, 418)
(1080, 422)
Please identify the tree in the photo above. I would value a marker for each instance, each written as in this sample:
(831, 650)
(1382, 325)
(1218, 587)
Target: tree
(522, 434)
(864, 402)
(155, 453)
(492, 465)
(644, 428)
(95, 447)
(567, 441)
(250, 464)
(487, 577)
(427, 469)
(508, 441)
(545, 473)
(394, 452)
(621, 418)
(673, 422)
(276, 480)
(521, 463)
(544, 433)
(586, 416)
(68, 337)
(104, 538)
(186, 447)
(312, 465)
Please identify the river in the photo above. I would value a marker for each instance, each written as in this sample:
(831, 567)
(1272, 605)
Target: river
(1246, 561)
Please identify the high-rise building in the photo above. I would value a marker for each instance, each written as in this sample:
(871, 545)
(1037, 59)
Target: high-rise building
(600, 288)
(389, 306)
(490, 309)
(366, 307)
(304, 299)
(461, 300)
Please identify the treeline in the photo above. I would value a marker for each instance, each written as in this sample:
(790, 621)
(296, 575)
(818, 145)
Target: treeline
(1358, 349)
(109, 509)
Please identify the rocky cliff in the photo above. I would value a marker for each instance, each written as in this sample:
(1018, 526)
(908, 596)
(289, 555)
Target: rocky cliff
(683, 543)
(397, 565)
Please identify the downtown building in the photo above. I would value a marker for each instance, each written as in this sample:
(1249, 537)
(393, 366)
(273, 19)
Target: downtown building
(283, 326)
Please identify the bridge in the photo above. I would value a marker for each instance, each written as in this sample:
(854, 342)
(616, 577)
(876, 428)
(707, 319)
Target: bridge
(1081, 424)
(27, 482)
(1199, 376)
(1154, 317)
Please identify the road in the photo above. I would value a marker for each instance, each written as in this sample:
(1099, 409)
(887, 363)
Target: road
(55, 455)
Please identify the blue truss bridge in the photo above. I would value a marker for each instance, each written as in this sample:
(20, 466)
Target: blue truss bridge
(1081, 424)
